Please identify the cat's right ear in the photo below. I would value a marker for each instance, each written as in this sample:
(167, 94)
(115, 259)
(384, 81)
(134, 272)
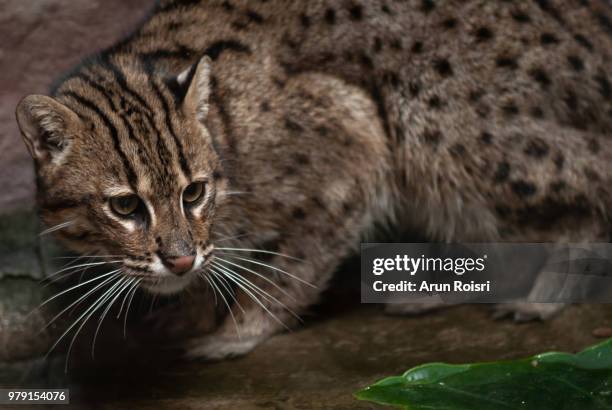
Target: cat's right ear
(47, 127)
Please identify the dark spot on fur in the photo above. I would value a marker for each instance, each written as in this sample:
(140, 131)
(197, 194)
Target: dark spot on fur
(548, 38)
(378, 45)
(385, 9)
(571, 100)
(551, 10)
(272, 246)
(298, 213)
(443, 67)
(293, 126)
(475, 95)
(502, 173)
(427, 6)
(391, 78)
(304, 20)
(434, 102)
(432, 137)
(551, 212)
(605, 22)
(265, 106)
(301, 158)
(537, 148)
(506, 62)
(254, 16)
(239, 25)
(449, 23)
(330, 16)
(348, 207)
(521, 17)
(483, 34)
(483, 110)
(417, 47)
(559, 161)
(319, 203)
(322, 130)
(536, 112)
(414, 88)
(228, 6)
(575, 63)
(486, 137)
(510, 109)
(558, 186)
(292, 44)
(366, 61)
(583, 41)
(503, 211)
(540, 76)
(396, 44)
(523, 189)
(591, 175)
(593, 146)
(279, 82)
(604, 86)
(457, 150)
(356, 12)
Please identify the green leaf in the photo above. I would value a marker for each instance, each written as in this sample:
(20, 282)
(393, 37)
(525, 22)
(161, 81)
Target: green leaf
(554, 381)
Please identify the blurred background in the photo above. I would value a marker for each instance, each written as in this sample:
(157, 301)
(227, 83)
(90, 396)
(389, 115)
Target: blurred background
(39, 40)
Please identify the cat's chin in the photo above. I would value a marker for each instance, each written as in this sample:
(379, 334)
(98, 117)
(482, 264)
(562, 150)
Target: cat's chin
(168, 285)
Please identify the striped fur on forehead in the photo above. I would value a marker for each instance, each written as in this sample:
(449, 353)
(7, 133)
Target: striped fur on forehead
(138, 111)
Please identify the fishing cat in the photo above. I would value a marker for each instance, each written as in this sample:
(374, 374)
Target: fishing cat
(253, 143)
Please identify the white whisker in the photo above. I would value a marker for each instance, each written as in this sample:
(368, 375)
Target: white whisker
(256, 262)
(260, 251)
(135, 283)
(75, 287)
(83, 297)
(126, 283)
(212, 283)
(127, 310)
(236, 280)
(225, 284)
(239, 279)
(229, 238)
(258, 275)
(56, 228)
(214, 288)
(70, 270)
(93, 308)
(231, 193)
(88, 256)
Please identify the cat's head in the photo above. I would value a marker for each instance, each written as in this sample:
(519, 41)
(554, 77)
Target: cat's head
(126, 169)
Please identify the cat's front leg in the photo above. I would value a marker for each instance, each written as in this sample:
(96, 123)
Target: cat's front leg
(262, 298)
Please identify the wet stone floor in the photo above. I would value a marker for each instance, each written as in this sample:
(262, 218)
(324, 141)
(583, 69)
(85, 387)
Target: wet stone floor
(316, 367)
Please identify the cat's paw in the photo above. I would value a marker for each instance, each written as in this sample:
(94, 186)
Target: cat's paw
(218, 347)
(525, 312)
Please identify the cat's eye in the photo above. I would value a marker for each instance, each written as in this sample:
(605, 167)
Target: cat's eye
(125, 205)
(193, 192)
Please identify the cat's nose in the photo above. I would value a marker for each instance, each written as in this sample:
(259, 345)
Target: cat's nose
(179, 265)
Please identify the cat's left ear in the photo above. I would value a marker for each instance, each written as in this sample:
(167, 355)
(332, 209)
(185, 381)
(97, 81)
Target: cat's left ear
(195, 83)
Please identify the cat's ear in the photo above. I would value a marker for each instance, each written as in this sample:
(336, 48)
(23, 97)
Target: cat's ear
(196, 79)
(47, 126)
